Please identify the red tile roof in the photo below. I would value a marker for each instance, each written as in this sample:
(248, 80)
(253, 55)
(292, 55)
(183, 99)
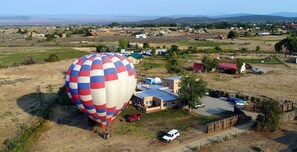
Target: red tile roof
(227, 66)
(197, 66)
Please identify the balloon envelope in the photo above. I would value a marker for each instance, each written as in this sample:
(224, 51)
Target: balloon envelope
(101, 85)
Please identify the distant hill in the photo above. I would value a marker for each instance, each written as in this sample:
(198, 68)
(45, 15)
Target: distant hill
(199, 19)
(14, 18)
(285, 14)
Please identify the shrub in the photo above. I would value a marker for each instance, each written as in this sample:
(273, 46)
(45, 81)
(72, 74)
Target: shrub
(226, 94)
(52, 58)
(29, 60)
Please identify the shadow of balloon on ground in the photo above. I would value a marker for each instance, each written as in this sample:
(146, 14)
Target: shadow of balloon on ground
(45, 105)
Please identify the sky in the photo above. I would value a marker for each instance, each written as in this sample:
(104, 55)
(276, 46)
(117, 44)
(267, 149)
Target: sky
(144, 7)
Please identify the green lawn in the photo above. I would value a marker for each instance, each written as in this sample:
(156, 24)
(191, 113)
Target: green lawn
(273, 60)
(164, 120)
(201, 43)
(39, 56)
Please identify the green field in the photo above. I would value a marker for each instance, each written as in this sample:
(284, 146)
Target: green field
(201, 43)
(273, 60)
(170, 118)
(39, 56)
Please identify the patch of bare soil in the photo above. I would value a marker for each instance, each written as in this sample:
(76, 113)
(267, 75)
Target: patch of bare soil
(283, 140)
(17, 82)
(278, 82)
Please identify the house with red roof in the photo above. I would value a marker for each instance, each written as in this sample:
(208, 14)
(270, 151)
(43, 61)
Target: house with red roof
(230, 68)
(197, 67)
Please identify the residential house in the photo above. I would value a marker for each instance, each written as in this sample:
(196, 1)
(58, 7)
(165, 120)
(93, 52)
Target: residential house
(197, 67)
(230, 68)
(161, 51)
(173, 83)
(136, 45)
(140, 36)
(135, 58)
(154, 100)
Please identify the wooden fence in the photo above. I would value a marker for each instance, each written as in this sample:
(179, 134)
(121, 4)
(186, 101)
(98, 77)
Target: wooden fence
(287, 106)
(239, 118)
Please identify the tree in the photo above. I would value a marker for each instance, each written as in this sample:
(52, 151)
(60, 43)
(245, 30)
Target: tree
(247, 34)
(153, 52)
(113, 24)
(174, 51)
(278, 47)
(123, 43)
(146, 45)
(100, 48)
(290, 43)
(52, 58)
(233, 34)
(209, 64)
(239, 63)
(219, 49)
(270, 115)
(258, 49)
(173, 66)
(192, 90)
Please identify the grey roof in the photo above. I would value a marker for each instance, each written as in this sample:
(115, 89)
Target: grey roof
(165, 96)
(154, 87)
(175, 78)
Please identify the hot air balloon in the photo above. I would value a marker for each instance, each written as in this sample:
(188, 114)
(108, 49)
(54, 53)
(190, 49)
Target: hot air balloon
(101, 85)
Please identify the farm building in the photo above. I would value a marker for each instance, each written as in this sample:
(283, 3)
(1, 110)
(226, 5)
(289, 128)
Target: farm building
(154, 100)
(141, 36)
(135, 58)
(230, 68)
(197, 67)
(173, 83)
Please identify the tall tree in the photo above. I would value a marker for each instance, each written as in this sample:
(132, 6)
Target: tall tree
(270, 115)
(123, 43)
(209, 64)
(153, 52)
(233, 34)
(146, 45)
(192, 90)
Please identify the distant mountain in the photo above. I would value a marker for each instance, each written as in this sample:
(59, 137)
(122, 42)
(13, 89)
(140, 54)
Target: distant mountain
(247, 18)
(285, 14)
(230, 15)
(14, 17)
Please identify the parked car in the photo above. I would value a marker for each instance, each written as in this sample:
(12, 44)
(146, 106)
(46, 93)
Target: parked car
(133, 117)
(231, 99)
(199, 106)
(240, 102)
(215, 94)
(257, 71)
(171, 135)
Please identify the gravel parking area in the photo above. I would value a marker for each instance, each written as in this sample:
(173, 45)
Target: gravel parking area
(214, 106)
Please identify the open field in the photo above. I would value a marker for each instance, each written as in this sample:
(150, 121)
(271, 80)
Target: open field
(10, 58)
